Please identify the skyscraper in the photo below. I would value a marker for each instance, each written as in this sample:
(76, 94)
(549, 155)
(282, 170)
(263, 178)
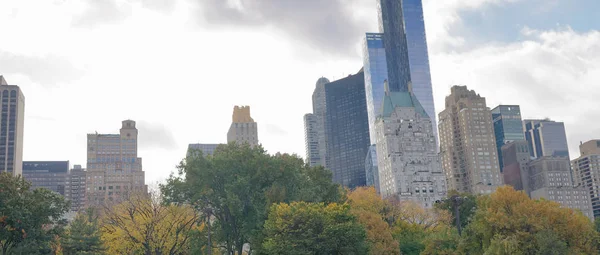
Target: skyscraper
(392, 25)
(75, 188)
(418, 57)
(346, 130)
(113, 166)
(376, 73)
(546, 138)
(515, 157)
(319, 107)
(372, 168)
(467, 143)
(11, 128)
(243, 128)
(50, 175)
(508, 127)
(586, 172)
(311, 140)
(409, 166)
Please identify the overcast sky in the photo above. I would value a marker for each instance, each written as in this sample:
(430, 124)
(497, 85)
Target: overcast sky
(178, 67)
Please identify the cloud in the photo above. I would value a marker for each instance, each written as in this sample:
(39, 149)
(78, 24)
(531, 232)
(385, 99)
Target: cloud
(46, 70)
(99, 12)
(330, 26)
(552, 73)
(155, 136)
(273, 129)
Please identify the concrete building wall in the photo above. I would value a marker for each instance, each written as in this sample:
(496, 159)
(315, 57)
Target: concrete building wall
(311, 140)
(12, 119)
(243, 128)
(586, 173)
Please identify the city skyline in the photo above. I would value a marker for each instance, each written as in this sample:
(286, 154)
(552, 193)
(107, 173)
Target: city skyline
(74, 86)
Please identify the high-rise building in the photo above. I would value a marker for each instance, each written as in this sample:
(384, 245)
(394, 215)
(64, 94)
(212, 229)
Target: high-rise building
(392, 25)
(418, 58)
(546, 138)
(586, 172)
(75, 188)
(11, 128)
(205, 148)
(515, 157)
(50, 175)
(311, 140)
(319, 107)
(508, 127)
(409, 165)
(372, 168)
(346, 130)
(550, 178)
(375, 69)
(243, 128)
(114, 169)
(468, 145)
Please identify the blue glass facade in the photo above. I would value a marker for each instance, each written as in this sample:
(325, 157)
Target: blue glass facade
(375, 69)
(371, 168)
(418, 57)
(346, 130)
(391, 23)
(508, 127)
(546, 138)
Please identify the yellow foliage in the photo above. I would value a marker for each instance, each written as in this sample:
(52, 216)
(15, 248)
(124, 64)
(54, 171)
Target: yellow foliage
(141, 225)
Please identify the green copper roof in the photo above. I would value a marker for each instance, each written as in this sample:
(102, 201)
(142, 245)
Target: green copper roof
(401, 99)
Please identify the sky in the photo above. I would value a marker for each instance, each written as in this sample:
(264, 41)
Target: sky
(178, 67)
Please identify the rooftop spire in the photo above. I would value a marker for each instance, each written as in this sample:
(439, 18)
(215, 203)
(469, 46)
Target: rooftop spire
(2, 80)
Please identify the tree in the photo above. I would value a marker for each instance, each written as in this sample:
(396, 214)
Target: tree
(29, 219)
(313, 228)
(83, 236)
(466, 208)
(238, 184)
(368, 207)
(508, 222)
(142, 225)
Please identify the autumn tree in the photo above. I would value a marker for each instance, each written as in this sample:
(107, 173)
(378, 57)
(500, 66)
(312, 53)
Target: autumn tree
(83, 236)
(30, 219)
(142, 225)
(238, 184)
(509, 222)
(466, 208)
(369, 209)
(313, 228)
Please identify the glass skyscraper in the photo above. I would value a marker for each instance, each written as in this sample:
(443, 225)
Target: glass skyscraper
(346, 130)
(407, 58)
(546, 138)
(376, 73)
(508, 127)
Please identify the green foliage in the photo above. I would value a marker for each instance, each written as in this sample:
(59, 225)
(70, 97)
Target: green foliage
(410, 237)
(444, 242)
(83, 237)
(239, 183)
(29, 219)
(466, 208)
(313, 228)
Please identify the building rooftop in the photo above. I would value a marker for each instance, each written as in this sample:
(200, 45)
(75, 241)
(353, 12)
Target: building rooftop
(2, 80)
(401, 99)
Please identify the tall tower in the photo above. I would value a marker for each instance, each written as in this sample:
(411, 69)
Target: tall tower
(391, 23)
(376, 74)
(11, 128)
(311, 140)
(508, 127)
(468, 145)
(243, 128)
(586, 172)
(409, 166)
(314, 127)
(346, 130)
(546, 138)
(114, 169)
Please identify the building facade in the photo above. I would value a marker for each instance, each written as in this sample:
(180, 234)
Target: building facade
(346, 130)
(243, 128)
(114, 169)
(547, 138)
(586, 172)
(75, 188)
(50, 175)
(372, 168)
(392, 25)
(418, 58)
(508, 127)
(319, 105)
(11, 128)
(205, 148)
(311, 140)
(467, 143)
(409, 166)
(550, 178)
(375, 69)
(515, 157)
